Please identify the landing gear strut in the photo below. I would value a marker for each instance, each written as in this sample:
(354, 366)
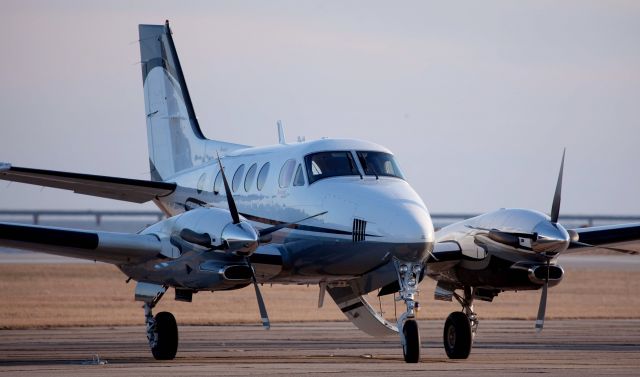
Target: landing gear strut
(162, 331)
(460, 328)
(408, 278)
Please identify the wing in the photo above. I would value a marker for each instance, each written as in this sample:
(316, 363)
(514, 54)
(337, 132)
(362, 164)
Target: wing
(130, 190)
(623, 238)
(115, 248)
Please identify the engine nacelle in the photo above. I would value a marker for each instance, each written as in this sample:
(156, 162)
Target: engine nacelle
(209, 228)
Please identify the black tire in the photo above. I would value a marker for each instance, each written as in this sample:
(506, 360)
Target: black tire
(411, 348)
(457, 336)
(166, 331)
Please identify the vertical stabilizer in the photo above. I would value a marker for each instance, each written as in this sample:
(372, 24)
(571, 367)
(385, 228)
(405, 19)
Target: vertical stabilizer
(176, 142)
(172, 128)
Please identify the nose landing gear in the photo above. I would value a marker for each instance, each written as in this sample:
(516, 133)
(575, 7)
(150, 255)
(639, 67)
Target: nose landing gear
(408, 278)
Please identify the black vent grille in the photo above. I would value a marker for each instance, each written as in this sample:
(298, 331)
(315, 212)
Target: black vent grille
(359, 230)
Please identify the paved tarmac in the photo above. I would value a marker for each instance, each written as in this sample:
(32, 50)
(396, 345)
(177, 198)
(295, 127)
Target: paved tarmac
(502, 348)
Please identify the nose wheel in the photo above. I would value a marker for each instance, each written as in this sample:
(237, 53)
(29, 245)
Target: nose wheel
(408, 278)
(411, 344)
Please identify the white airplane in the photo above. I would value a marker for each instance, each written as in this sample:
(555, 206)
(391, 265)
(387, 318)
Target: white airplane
(332, 212)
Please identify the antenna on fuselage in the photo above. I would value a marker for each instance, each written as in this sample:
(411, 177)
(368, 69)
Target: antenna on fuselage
(281, 139)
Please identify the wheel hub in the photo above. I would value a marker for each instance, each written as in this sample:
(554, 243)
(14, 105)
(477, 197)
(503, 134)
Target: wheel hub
(451, 336)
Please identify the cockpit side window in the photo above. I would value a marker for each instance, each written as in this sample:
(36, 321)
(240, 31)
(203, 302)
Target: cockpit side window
(329, 164)
(379, 164)
(298, 180)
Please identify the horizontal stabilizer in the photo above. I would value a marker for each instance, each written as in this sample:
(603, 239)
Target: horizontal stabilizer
(109, 247)
(125, 189)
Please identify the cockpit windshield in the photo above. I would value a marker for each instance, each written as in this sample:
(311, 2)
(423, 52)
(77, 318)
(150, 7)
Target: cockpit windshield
(379, 164)
(329, 164)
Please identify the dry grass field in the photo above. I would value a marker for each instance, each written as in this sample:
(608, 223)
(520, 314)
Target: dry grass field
(52, 295)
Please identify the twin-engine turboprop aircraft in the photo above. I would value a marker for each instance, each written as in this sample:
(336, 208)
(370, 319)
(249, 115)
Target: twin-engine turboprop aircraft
(337, 213)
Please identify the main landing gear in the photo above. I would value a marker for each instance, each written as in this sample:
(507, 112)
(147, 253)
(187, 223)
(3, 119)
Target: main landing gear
(460, 327)
(162, 331)
(408, 278)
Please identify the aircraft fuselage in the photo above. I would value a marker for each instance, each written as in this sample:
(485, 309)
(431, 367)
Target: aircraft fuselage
(370, 216)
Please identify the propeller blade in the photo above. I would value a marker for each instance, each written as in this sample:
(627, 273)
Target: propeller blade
(230, 201)
(267, 231)
(263, 309)
(555, 208)
(542, 308)
(625, 251)
(543, 302)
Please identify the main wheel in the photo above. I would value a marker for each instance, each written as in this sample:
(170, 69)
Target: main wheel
(166, 331)
(411, 346)
(457, 336)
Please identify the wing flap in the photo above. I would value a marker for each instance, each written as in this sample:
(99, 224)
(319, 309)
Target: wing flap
(125, 189)
(115, 248)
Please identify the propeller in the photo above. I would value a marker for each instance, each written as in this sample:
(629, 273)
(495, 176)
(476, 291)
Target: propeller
(555, 213)
(263, 309)
(263, 236)
(555, 208)
(235, 216)
(543, 302)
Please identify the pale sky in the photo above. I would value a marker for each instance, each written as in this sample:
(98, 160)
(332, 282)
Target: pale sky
(476, 99)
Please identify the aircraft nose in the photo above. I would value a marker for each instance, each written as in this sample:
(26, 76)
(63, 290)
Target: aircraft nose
(552, 238)
(410, 231)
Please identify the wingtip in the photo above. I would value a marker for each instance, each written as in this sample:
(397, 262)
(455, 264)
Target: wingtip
(5, 166)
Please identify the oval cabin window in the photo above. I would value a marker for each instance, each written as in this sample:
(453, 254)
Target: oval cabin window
(217, 184)
(237, 178)
(286, 173)
(262, 176)
(251, 174)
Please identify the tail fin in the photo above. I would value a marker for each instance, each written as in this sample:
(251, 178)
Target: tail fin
(176, 142)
